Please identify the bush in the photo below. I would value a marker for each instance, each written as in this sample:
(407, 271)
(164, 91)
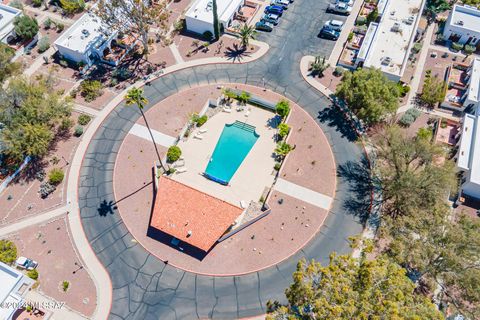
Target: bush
(403, 89)
(72, 6)
(469, 49)
(179, 25)
(33, 274)
(55, 176)
(207, 35)
(45, 189)
(91, 89)
(78, 131)
(36, 3)
(283, 108)
(457, 46)
(350, 36)
(277, 166)
(84, 119)
(17, 4)
(409, 117)
(26, 27)
(65, 285)
(121, 74)
(8, 251)
(338, 71)
(201, 120)
(43, 44)
(66, 124)
(173, 154)
(283, 130)
(361, 21)
(60, 26)
(417, 47)
(47, 24)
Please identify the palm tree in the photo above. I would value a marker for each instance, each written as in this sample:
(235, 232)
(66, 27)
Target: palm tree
(246, 33)
(318, 66)
(283, 149)
(135, 96)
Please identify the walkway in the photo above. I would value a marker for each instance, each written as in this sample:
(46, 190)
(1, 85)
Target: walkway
(304, 194)
(160, 138)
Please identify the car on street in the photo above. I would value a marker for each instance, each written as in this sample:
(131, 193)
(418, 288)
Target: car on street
(264, 26)
(274, 9)
(349, 2)
(25, 263)
(340, 8)
(272, 18)
(336, 25)
(328, 33)
(281, 3)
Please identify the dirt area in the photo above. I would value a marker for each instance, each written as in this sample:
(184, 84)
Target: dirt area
(50, 245)
(329, 80)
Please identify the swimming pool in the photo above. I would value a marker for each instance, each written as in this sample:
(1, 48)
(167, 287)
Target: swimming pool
(234, 144)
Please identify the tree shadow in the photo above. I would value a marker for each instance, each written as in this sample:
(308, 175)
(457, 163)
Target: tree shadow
(109, 207)
(334, 118)
(362, 189)
(236, 53)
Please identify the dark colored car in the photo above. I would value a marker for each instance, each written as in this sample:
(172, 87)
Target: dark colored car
(328, 33)
(264, 26)
(271, 18)
(274, 9)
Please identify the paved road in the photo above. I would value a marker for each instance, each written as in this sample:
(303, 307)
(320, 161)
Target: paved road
(146, 288)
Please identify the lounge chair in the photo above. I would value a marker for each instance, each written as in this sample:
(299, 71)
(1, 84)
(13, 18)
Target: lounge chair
(198, 136)
(227, 110)
(202, 130)
(181, 170)
(247, 113)
(243, 204)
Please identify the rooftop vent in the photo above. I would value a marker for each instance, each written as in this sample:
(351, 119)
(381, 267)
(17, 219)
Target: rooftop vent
(410, 20)
(459, 22)
(386, 61)
(396, 27)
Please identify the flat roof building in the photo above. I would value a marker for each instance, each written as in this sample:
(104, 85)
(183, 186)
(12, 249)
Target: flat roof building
(199, 18)
(13, 285)
(468, 157)
(387, 44)
(473, 91)
(7, 17)
(463, 25)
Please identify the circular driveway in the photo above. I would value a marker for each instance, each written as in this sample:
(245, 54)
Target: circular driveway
(145, 287)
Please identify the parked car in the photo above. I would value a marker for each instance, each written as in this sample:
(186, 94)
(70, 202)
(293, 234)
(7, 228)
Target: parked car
(349, 2)
(280, 3)
(264, 26)
(340, 8)
(328, 33)
(271, 18)
(274, 9)
(336, 25)
(25, 263)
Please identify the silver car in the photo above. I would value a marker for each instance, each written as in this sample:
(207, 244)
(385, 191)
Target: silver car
(336, 25)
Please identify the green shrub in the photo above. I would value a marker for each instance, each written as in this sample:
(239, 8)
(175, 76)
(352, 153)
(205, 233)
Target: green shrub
(60, 26)
(403, 89)
(84, 119)
(350, 36)
(33, 274)
(338, 72)
(173, 154)
(91, 89)
(179, 25)
(469, 49)
(66, 124)
(78, 131)
(55, 176)
(17, 4)
(201, 120)
(277, 166)
(8, 251)
(409, 117)
(36, 3)
(207, 35)
(26, 27)
(72, 6)
(457, 46)
(361, 21)
(417, 47)
(283, 108)
(43, 44)
(283, 130)
(425, 134)
(65, 285)
(47, 24)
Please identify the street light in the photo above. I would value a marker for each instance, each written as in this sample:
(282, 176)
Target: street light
(79, 268)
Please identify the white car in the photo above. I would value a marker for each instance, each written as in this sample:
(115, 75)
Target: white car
(349, 2)
(282, 2)
(336, 25)
(341, 8)
(25, 263)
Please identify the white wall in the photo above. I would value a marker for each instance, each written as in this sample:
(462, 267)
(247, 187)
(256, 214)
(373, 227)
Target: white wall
(74, 56)
(198, 26)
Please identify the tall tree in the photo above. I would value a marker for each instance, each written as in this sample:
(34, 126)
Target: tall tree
(216, 23)
(350, 289)
(434, 90)
(135, 96)
(246, 33)
(370, 95)
(133, 17)
(412, 172)
(7, 67)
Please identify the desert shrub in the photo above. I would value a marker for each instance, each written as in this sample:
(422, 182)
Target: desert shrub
(469, 49)
(45, 189)
(47, 24)
(72, 6)
(361, 21)
(409, 117)
(60, 26)
(16, 4)
(65, 285)
(173, 154)
(55, 176)
(8, 251)
(179, 25)
(78, 131)
(338, 71)
(33, 274)
(84, 119)
(457, 46)
(277, 166)
(43, 44)
(283, 130)
(283, 108)
(121, 74)
(26, 27)
(91, 89)
(66, 124)
(350, 37)
(201, 120)
(403, 89)
(36, 3)
(417, 47)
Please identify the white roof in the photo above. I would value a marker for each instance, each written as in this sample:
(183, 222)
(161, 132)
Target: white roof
(7, 15)
(465, 17)
(202, 10)
(474, 176)
(84, 33)
(9, 279)
(464, 150)
(474, 86)
(392, 37)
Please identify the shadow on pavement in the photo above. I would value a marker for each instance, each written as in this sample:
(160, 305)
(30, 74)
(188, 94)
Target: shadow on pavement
(108, 207)
(183, 247)
(335, 118)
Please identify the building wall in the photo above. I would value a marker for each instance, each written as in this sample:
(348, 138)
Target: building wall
(198, 26)
(452, 29)
(471, 189)
(71, 55)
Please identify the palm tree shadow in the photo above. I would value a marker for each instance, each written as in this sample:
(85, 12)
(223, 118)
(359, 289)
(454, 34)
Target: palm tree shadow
(333, 117)
(362, 188)
(109, 207)
(236, 53)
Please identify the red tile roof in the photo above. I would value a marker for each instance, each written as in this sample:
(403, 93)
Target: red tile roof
(179, 209)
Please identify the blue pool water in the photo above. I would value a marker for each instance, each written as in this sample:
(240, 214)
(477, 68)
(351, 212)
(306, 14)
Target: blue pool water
(232, 147)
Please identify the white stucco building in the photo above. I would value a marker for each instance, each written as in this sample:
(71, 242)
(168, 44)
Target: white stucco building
(7, 16)
(468, 157)
(472, 95)
(387, 44)
(13, 285)
(463, 25)
(199, 18)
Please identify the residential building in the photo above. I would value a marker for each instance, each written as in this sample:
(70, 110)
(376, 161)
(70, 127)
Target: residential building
(14, 285)
(89, 41)
(387, 43)
(468, 157)
(199, 18)
(463, 92)
(7, 17)
(463, 25)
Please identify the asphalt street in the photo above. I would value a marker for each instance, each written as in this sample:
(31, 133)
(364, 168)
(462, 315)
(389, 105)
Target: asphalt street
(146, 288)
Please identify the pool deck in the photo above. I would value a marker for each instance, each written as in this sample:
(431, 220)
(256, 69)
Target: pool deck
(254, 174)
